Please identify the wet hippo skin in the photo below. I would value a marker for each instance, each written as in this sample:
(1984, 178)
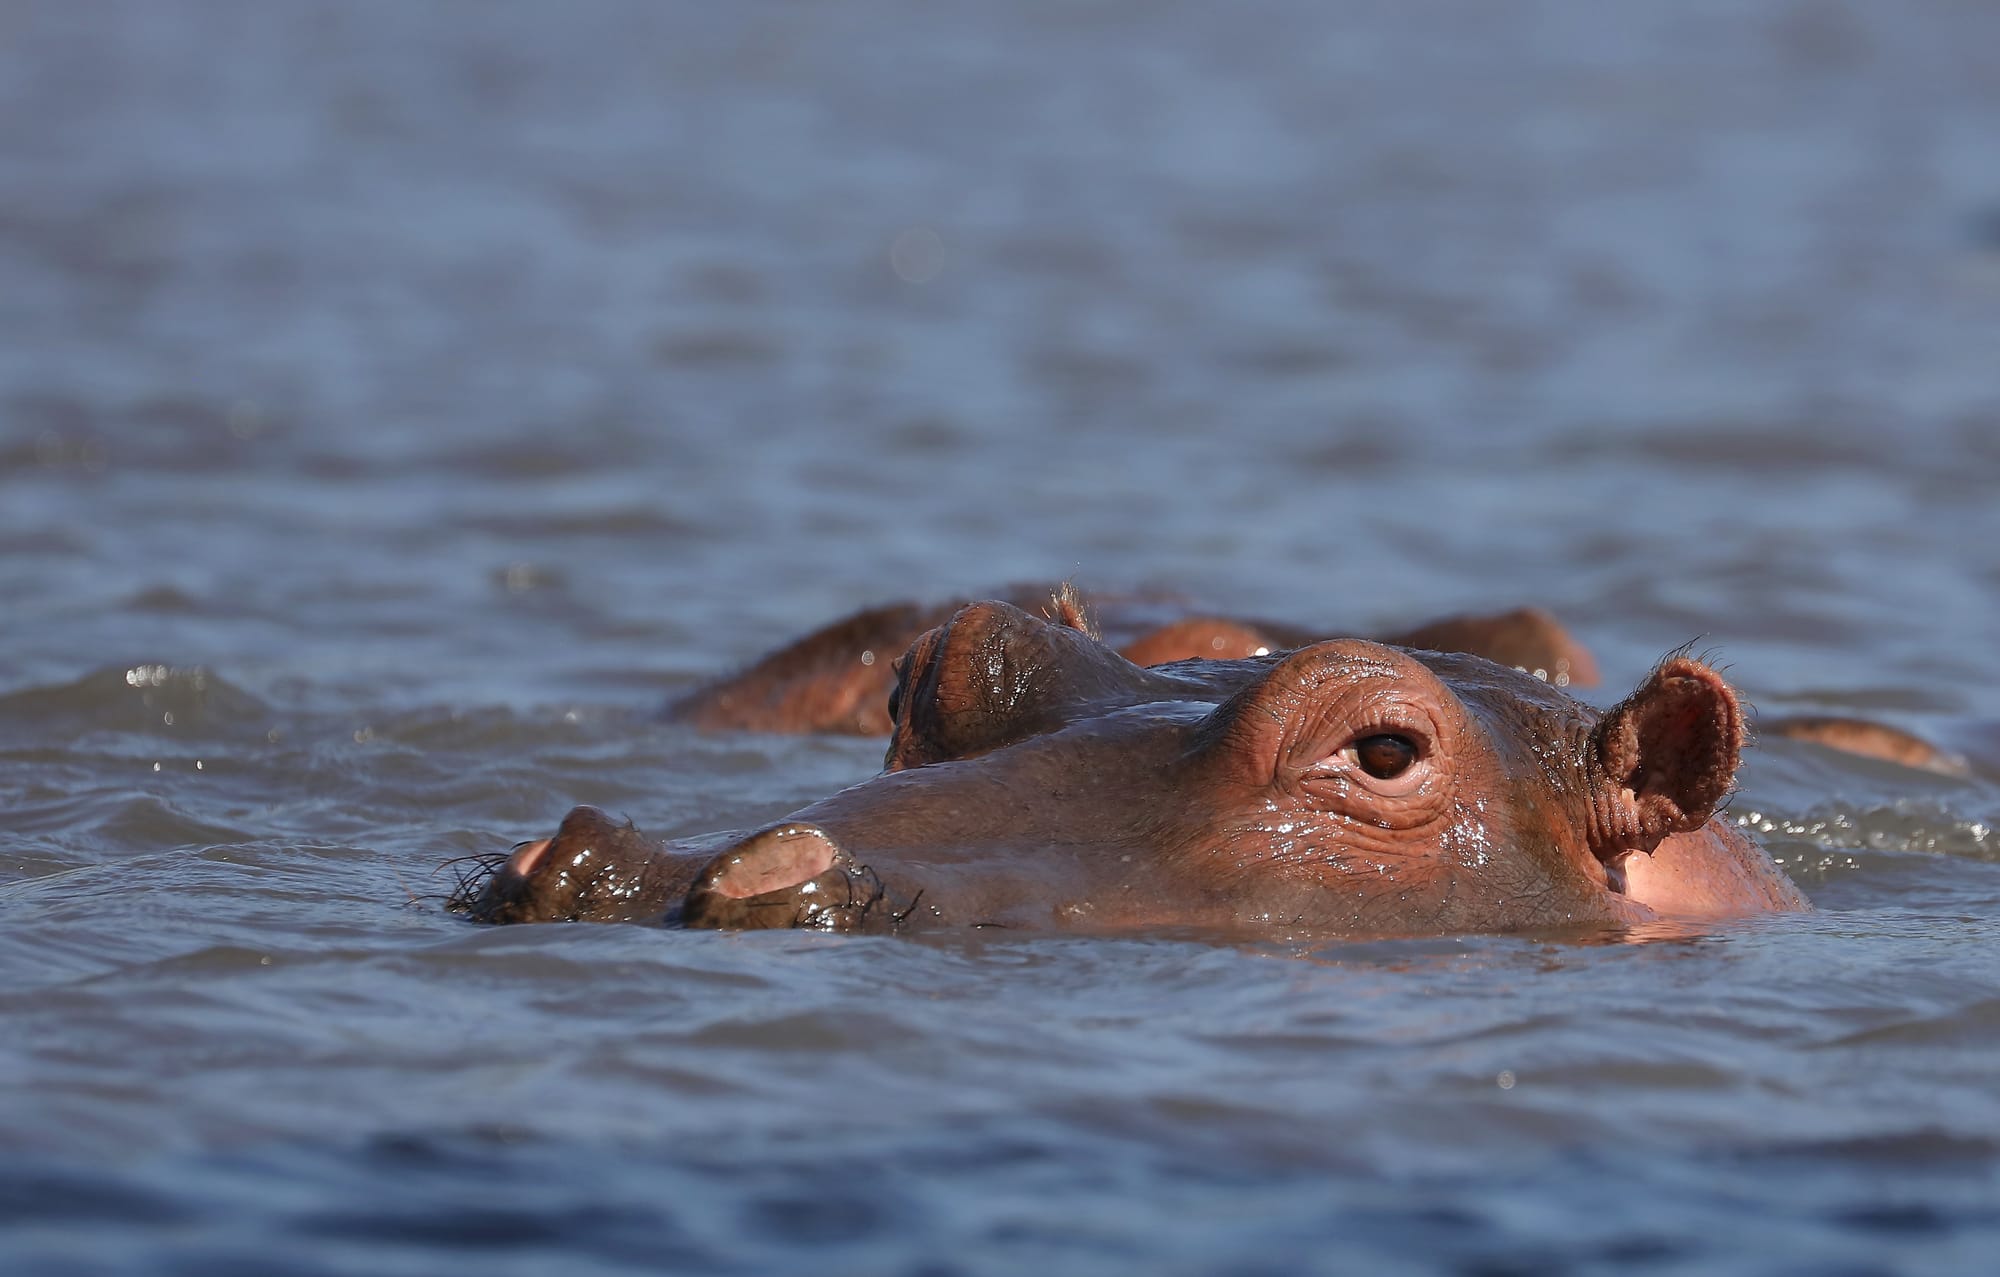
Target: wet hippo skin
(1036, 778)
(837, 678)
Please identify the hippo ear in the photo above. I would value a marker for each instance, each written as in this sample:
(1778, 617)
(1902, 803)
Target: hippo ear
(1665, 758)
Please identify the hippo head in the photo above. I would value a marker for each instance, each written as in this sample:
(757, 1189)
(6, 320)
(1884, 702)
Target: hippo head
(1035, 778)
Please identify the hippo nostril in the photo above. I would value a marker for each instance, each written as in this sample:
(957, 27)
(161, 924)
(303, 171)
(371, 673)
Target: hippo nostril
(791, 875)
(786, 856)
(527, 855)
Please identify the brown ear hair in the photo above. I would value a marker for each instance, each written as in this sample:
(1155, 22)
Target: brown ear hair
(1066, 607)
(1664, 758)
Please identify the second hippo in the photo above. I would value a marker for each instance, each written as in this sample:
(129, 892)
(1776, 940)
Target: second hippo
(837, 678)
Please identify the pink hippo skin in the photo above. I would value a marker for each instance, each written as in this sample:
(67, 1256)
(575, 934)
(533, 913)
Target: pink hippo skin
(837, 678)
(1035, 778)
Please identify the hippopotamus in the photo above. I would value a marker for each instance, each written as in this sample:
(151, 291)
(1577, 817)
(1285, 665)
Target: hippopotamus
(1035, 778)
(1869, 739)
(837, 678)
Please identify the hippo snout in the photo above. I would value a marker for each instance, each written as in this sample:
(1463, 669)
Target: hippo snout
(594, 867)
(790, 875)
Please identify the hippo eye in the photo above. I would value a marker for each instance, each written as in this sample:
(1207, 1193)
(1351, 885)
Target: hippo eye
(1385, 756)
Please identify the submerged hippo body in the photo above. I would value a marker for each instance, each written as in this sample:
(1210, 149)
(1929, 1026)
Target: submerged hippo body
(1869, 739)
(837, 678)
(1037, 779)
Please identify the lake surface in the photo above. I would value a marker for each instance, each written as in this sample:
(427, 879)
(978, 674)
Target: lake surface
(399, 403)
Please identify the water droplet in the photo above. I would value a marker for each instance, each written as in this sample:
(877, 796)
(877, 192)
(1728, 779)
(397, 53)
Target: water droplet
(1506, 1080)
(245, 420)
(519, 578)
(917, 255)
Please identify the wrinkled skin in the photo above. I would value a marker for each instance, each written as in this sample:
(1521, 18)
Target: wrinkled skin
(1035, 778)
(837, 678)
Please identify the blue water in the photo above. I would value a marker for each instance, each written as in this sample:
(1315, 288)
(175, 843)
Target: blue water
(407, 400)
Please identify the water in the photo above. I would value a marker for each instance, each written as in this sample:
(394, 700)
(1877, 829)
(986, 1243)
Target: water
(407, 400)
